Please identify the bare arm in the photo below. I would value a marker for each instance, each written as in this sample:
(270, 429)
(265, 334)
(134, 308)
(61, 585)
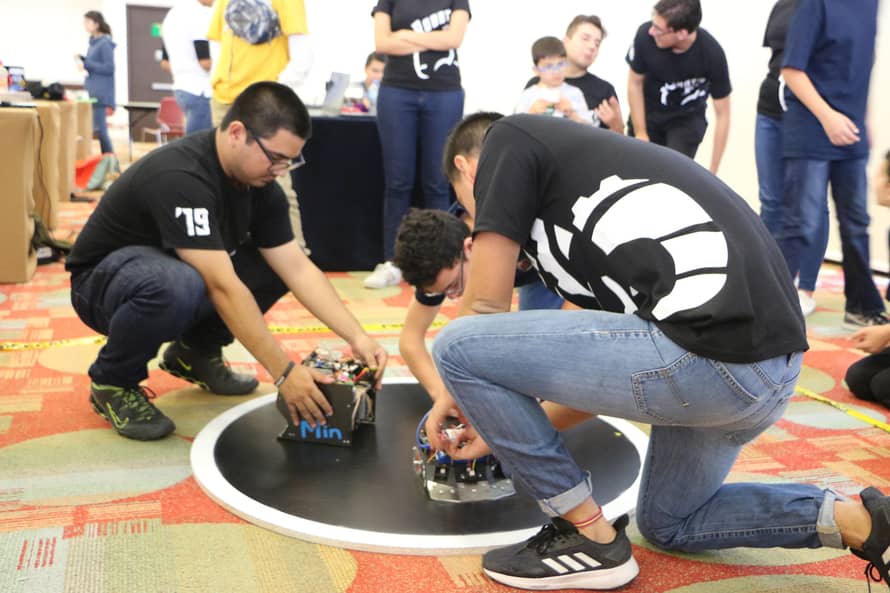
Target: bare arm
(412, 345)
(386, 41)
(490, 287)
(840, 129)
(637, 104)
(563, 417)
(721, 132)
(609, 112)
(444, 39)
(238, 309)
(872, 339)
(312, 288)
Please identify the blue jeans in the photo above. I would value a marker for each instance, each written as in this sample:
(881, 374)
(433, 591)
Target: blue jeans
(702, 412)
(804, 200)
(536, 295)
(196, 109)
(100, 127)
(141, 297)
(413, 122)
(770, 178)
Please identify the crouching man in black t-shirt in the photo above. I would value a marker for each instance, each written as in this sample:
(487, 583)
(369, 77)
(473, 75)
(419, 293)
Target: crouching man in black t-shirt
(691, 324)
(193, 244)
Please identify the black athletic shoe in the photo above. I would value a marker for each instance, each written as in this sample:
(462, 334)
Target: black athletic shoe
(876, 549)
(130, 412)
(559, 557)
(209, 372)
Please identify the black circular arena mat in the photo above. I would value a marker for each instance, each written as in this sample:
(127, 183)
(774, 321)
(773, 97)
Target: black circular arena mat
(368, 496)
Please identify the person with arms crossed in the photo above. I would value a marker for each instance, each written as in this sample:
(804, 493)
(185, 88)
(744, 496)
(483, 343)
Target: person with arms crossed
(420, 100)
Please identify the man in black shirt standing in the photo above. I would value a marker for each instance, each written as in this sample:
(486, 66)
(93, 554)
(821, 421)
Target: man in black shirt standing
(582, 42)
(193, 244)
(690, 323)
(674, 66)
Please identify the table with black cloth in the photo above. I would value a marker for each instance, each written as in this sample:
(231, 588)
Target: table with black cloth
(340, 191)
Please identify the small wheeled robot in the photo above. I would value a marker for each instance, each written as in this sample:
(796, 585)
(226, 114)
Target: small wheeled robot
(450, 480)
(351, 395)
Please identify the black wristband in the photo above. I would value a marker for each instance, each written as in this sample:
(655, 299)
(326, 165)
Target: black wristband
(280, 380)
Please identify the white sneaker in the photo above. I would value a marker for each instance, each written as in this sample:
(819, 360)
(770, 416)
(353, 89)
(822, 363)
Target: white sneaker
(807, 302)
(385, 274)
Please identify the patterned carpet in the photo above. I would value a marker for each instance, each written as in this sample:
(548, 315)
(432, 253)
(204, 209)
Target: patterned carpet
(85, 511)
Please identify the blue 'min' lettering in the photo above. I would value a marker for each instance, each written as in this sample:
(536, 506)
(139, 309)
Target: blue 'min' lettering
(320, 432)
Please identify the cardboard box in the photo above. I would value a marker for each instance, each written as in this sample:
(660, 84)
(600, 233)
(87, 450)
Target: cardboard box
(17, 155)
(84, 140)
(67, 146)
(46, 168)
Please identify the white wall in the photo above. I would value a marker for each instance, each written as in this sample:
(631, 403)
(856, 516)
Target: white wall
(494, 59)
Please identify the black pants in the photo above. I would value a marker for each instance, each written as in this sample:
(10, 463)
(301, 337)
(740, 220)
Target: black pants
(141, 297)
(683, 134)
(869, 378)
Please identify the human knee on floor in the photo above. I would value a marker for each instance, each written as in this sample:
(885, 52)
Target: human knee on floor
(661, 533)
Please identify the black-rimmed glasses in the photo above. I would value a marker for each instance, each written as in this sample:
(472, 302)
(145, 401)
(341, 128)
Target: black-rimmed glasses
(279, 161)
(456, 288)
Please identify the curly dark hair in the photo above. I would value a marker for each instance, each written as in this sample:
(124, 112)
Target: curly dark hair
(428, 241)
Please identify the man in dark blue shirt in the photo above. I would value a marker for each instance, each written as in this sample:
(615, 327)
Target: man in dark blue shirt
(829, 54)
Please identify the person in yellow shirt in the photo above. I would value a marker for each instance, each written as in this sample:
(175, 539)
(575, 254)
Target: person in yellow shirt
(260, 40)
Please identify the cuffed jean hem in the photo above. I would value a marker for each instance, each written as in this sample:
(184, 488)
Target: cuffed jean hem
(561, 504)
(826, 525)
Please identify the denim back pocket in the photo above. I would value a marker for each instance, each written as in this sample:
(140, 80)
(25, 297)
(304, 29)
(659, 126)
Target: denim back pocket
(696, 391)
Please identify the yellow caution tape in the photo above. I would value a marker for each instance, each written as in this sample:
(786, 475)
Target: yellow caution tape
(275, 329)
(843, 408)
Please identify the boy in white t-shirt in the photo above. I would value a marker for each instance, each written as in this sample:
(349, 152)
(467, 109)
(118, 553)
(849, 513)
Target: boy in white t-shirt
(552, 95)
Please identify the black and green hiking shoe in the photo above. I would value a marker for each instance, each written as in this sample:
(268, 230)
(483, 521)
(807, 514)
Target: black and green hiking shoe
(129, 412)
(208, 372)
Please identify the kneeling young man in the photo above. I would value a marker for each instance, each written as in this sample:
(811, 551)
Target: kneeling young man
(691, 323)
(193, 244)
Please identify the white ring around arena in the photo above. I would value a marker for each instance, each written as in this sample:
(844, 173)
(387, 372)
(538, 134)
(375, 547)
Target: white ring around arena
(216, 486)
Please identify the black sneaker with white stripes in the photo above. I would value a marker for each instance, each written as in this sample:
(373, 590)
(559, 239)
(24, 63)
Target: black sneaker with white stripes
(559, 557)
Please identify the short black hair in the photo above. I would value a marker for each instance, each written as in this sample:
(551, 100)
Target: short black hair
(465, 139)
(428, 241)
(680, 14)
(590, 19)
(266, 107)
(375, 57)
(547, 47)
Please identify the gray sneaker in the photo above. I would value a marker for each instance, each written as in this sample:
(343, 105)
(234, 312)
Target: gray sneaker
(209, 372)
(130, 412)
(857, 320)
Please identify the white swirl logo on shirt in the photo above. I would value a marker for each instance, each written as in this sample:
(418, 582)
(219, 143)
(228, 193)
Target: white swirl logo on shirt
(655, 211)
(438, 20)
